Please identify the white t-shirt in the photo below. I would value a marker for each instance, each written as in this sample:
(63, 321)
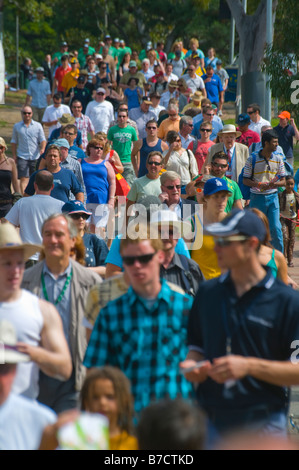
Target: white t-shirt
(22, 423)
(29, 214)
(257, 126)
(100, 114)
(52, 114)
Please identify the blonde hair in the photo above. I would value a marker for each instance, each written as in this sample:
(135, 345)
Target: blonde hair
(102, 136)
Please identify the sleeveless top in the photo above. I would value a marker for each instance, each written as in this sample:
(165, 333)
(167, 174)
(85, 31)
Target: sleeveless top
(272, 264)
(28, 322)
(144, 151)
(95, 177)
(5, 185)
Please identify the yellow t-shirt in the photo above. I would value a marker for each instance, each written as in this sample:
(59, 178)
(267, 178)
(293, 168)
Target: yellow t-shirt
(123, 441)
(206, 258)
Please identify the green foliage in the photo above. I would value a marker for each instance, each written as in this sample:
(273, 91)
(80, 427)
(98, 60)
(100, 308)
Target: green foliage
(282, 57)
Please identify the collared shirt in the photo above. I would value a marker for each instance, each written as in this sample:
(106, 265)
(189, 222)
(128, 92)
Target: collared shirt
(264, 171)
(28, 139)
(177, 273)
(147, 344)
(262, 323)
(257, 126)
(186, 142)
(54, 287)
(84, 124)
(39, 90)
(71, 163)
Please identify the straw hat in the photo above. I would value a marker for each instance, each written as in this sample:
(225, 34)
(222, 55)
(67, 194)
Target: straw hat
(10, 240)
(229, 129)
(8, 340)
(67, 118)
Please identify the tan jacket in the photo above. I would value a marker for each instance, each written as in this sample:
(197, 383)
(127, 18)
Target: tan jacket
(242, 153)
(83, 279)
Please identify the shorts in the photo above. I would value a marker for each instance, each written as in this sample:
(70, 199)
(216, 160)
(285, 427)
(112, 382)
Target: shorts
(25, 167)
(100, 214)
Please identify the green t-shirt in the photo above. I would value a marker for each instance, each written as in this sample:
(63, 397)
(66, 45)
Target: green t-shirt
(144, 186)
(236, 193)
(122, 139)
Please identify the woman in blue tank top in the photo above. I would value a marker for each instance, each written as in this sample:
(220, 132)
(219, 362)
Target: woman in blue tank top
(99, 180)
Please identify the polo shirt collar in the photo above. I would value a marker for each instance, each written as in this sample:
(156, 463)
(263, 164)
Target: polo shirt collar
(265, 283)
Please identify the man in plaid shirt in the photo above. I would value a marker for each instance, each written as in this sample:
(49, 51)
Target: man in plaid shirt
(83, 123)
(143, 332)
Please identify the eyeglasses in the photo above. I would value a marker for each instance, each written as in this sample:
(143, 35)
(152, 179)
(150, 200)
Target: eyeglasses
(178, 186)
(189, 124)
(226, 241)
(154, 163)
(97, 148)
(219, 165)
(68, 133)
(79, 215)
(205, 130)
(151, 127)
(143, 259)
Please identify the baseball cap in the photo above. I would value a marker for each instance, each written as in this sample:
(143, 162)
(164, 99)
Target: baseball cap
(73, 207)
(132, 63)
(218, 62)
(243, 222)
(101, 90)
(243, 119)
(285, 115)
(40, 69)
(146, 100)
(62, 143)
(214, 185)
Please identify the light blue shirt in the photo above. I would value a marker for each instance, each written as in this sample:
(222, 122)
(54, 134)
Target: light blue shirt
(54, 287)
(22, 422)
(216, 127)
(38, 90)
(28, 139)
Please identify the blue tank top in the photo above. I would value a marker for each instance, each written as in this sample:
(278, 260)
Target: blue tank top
(95, 177)
(144, 151)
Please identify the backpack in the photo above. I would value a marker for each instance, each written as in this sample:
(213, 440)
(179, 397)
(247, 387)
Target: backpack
(245, 190)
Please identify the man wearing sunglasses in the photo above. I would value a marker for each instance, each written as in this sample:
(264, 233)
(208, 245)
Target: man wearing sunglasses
(171, 195)
(149, 184)
(207, 115)
(143, 332)
(143, 147)
(217, 169)
(250, 356)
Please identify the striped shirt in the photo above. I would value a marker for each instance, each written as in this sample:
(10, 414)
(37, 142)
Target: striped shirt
(146, 342)
(264, 171)
(84, 124)
(28, 139)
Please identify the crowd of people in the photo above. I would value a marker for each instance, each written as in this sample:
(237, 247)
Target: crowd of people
(144, 255)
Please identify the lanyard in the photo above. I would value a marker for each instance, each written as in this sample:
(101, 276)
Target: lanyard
(60, 297)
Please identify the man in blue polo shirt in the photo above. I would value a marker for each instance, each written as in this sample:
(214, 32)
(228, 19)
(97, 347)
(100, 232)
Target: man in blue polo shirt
(287, 131)
(244, 325)
(213, 86)
(65, 182)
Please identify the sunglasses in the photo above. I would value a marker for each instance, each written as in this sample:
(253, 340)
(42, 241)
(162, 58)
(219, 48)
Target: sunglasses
(226, 241)
(79, 215)
(100, 94)
(154, 163)
(143, 259)
(219, 165)
(24, 112)
(205, 130)
(251, 112)
(178, 186)
(98, 148)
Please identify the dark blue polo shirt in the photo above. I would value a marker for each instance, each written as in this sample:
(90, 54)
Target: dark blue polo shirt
(262, 323)
(285, 139)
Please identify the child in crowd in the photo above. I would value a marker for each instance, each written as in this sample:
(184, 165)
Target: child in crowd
(289, 206)
(133, 93)
(107, 390)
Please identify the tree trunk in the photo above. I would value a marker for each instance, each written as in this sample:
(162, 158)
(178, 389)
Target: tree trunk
(252, 33)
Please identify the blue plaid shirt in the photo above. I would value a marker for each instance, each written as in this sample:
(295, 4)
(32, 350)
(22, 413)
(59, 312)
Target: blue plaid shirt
(147, 344)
